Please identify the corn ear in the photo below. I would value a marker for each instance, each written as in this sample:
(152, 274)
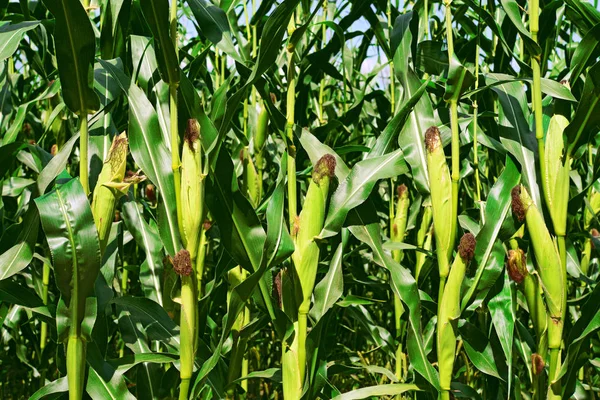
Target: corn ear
(305, 259)
(260, 134)
(441, 199)
(516, 267)
(310, 223)
(110, 186)
(556, 179)
(423, 238)
(450, 310)
(192, 189)
(400, 220)
(547, 258)
(251, 181)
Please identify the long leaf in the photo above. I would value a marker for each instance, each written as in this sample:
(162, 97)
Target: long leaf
(73, 240)
(151, 154)
(75, 45)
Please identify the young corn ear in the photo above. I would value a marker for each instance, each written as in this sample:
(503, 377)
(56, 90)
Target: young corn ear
(110, 186)
(310, 223)
(556, 179)
(305, 259)
(441, 199)
(516, 267)
(548, 261)
(251, 181)
(397, 235)
(424, 235)
(400, 220)
(261, 132)
(450, 310)
(192, 189)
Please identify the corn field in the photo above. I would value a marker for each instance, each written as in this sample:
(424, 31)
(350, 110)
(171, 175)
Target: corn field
(299, 199)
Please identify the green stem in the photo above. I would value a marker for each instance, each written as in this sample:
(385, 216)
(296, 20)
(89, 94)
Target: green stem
(124, 279)
(290, 116)
(175, 161)
(455, 164)
(75, 348)
(83, 154)
(441, 292)
(187, 332)
(302, 331)
(444, 395)
(554, 390)
(45, 283)
(184, 389)
(75, 364)
(392, 76)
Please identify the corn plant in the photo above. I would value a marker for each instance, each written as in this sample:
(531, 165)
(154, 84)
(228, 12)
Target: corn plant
(299, 199)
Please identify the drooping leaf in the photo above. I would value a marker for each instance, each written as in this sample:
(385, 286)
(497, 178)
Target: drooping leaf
(73, 240)
(11, 35)
(151, 154)
(75, 51)
(157, 15)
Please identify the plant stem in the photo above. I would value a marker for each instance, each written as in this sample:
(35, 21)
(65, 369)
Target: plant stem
(392, 75)
(45, 283)
(290, 116)
(322, 83)
(124, 279)
(75, 347)
(302, 332)
(173, 118)
(83, 154)
(187, 336)
(455, 161)
(454, 127)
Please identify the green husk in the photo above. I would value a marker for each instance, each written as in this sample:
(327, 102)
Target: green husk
(305, 260)
(449, 312)
(556, 179)
(192, 212)
(551, 273)
(192, 189)
(110, 187)
(441, 200)
(398, 231)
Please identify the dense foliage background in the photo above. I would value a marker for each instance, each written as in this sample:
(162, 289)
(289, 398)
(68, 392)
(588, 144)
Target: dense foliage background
(361, 80)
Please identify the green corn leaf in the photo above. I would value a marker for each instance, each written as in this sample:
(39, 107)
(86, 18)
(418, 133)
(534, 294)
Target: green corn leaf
(503, 311)
(586, 116)
(214, 24)
(11, 35)
(496, 209)
(278, 245)
(459, 79)
(19, 256)
(73, 240)
(329, 290)
(478, 348)
(157, 16)
(147, 237)
(514, 130)
(104, 382)
(379, 390)
(512, 10)
(404, 286)
(75, 51)
(151, 154)
(358, 185)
